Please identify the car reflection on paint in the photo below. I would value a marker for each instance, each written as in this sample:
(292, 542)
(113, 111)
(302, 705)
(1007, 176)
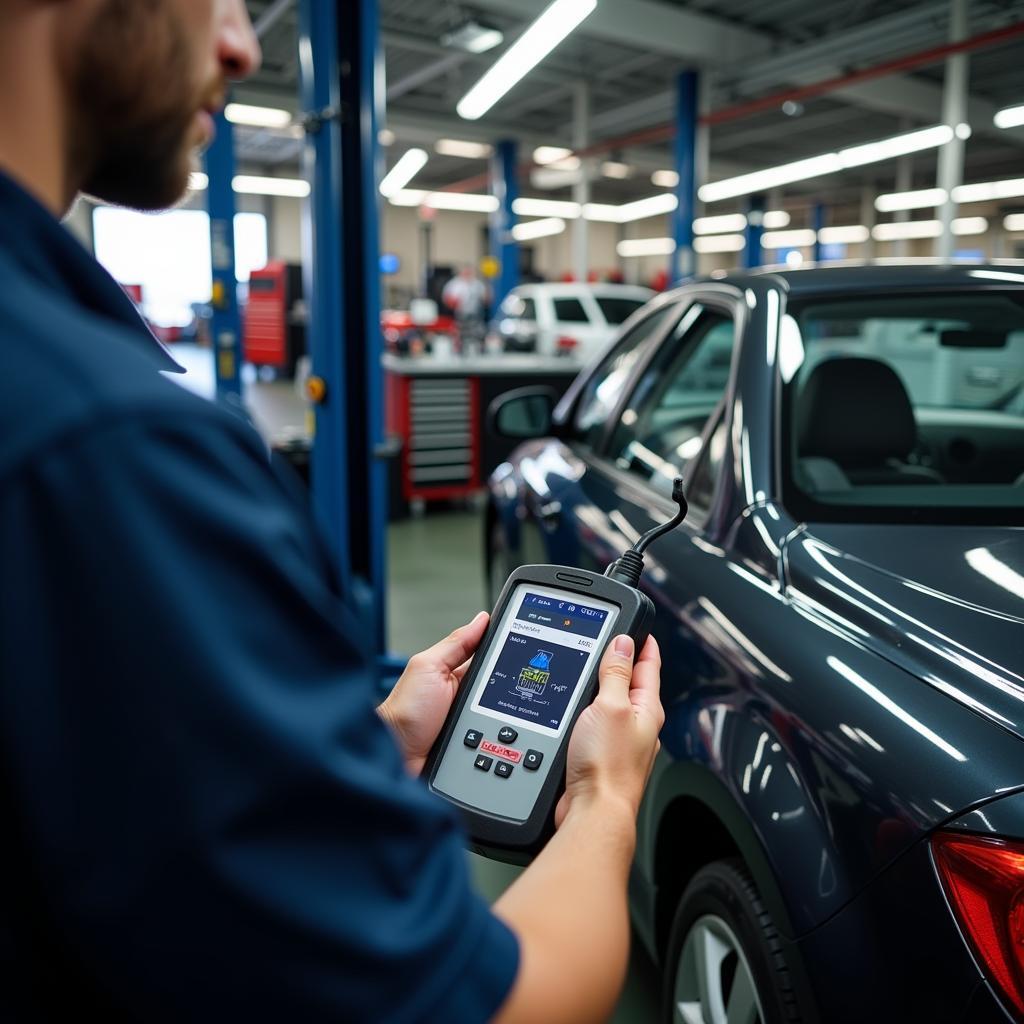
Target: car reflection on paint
(834, 829)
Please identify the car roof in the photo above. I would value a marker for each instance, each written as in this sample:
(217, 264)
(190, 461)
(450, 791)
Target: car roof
(576, 287)
(878, 277)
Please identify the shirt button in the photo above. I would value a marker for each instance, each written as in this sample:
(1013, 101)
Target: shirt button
(532, 760)
(507, 735)
(473, 738)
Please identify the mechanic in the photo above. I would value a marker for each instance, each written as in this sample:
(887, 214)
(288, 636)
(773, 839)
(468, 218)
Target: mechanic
(205, 816)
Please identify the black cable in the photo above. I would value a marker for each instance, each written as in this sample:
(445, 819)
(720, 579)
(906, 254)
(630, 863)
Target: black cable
(629, 566)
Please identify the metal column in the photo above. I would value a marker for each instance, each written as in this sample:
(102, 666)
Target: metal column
(817, 223)
(754, 230)
(581, 190)
(904, 183)
(954, 113)
(226, 323)
(504, 247)
(684, 262)
(340, 73)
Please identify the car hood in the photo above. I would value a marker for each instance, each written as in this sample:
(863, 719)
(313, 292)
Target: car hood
(944, 602)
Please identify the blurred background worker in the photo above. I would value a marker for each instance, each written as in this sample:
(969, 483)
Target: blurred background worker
(466, 295)
(206, 816)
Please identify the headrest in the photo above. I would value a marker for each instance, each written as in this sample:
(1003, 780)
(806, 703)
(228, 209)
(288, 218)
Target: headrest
(856, 412)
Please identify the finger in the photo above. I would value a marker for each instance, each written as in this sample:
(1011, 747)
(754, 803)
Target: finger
(616, 669)
(645, 684)
(462, 669)
(458, 646)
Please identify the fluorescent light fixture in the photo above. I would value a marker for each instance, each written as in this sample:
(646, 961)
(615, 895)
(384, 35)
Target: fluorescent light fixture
(550, 28)
(666, 202)
(919, 200)
(826, 163)
(257, 117)
(962, 131)
(1014, 222)
(719, 243)
(473, 37)
(774, 219)
(665, 179)
(646, 247)
(546, 208)
(604, 212)
(1009, 117)
(730, 222)
(927, 228)
(251, 184)
(463, 201)
(615, 169)
(984, 191)
(545, 155)
(788, 239)
(459, 147)
(538, 229)
(409, 164)
(386, 137)
(198, 181)
(844, 234)
(794, 259)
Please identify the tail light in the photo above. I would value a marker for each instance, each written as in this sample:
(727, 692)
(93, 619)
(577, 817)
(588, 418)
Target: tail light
(984, 880)
(566, 344)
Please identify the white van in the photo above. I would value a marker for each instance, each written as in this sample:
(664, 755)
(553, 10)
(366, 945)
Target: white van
(573, 320)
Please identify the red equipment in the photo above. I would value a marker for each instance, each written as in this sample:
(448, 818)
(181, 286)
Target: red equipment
(275, 330)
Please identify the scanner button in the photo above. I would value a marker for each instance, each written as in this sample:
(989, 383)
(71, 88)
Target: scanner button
(503, 769)
(507, 735)
(482, 762)
(532, 760)
(473, 738)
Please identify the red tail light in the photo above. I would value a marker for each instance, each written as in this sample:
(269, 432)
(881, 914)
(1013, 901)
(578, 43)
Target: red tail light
(566, 344)
(984, 880)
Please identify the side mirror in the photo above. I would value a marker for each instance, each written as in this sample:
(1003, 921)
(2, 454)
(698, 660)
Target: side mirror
(523, 413)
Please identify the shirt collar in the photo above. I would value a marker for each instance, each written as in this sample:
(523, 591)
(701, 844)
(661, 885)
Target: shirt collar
(35, 240)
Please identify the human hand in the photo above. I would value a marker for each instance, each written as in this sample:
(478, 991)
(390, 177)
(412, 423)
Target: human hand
(416, 708)
(613, 745)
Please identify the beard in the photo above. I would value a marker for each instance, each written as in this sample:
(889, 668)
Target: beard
(134, 99)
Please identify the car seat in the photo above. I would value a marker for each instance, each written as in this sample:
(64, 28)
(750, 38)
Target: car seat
(856, 426)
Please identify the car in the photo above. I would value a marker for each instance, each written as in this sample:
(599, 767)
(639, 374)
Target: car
(575, 320)
(834, 827)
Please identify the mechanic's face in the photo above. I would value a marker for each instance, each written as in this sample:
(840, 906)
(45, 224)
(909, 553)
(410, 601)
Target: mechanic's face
(144, 80)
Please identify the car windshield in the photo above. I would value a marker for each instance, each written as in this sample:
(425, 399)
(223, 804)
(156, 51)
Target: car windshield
(905, 408)
(617, 309)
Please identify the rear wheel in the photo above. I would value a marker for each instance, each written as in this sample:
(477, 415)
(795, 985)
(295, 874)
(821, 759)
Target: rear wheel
(725, 962)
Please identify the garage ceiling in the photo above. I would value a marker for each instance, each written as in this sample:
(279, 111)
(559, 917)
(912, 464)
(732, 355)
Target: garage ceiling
(630, 51)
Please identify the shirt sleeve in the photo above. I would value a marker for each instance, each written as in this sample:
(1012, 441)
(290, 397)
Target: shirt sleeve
(218, 824)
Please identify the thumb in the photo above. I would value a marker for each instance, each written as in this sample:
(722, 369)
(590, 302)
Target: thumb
(616, 669)
(459, 645)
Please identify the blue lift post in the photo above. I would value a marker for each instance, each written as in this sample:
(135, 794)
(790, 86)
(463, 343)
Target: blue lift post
(755, 228)
(226, 323)
(684, 263)
(341, 77)
(817, 223)
(504, 247)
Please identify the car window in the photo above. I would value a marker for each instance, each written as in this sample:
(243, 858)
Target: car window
(602, 391)
(660, 430)
(905, 407)
(570, 311)
(529, 310)
(705, 477)
(616, 308)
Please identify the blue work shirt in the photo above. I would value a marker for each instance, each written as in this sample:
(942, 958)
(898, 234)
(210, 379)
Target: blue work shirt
(204, 818)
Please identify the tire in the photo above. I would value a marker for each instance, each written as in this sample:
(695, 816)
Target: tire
(746, 980)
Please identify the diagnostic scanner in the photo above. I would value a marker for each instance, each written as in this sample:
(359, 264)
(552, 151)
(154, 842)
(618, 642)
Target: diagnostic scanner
(500, 757)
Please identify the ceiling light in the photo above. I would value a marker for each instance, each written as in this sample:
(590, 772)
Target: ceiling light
(928, 228)
(666, 202)
(646, 247)
(1014, 222)
(257, 117)
(665, 179)
(538, 229)
(198, 181)
(550, 28)
(719, 243)
(788, 239)
(962, 130)
(826, 163)
(459, 147)
(919, 200)
(386, 137)
(546, 208)
(473, 37)
(730, 222)
(984, 191)
(1009, 117)
(463, 201)
(614, 169)
(409, 164)
(603, 212)
(794, 259)
(843, 234)
(775, 219)
(970, 226)
(253, 185)
(545, 155)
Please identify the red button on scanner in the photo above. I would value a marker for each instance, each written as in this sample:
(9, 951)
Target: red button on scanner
(515, 756)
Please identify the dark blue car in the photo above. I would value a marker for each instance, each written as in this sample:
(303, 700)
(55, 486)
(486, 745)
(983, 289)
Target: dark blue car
(834, 830)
